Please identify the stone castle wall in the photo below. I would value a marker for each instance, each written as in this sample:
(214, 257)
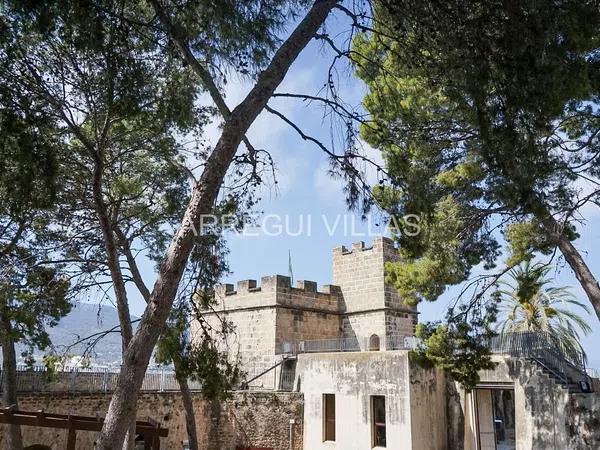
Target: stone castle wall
(248, 419)
(371, 305)
(295, 325)
(361, 326)
(276, 290)
(252, 342)
(400, 323)
(268, 315)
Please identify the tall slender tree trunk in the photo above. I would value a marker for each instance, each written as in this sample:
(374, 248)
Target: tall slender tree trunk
(114, 265)
(129, 443)
(137, 356)
(13, 440)
(584, 275)
(188, 407)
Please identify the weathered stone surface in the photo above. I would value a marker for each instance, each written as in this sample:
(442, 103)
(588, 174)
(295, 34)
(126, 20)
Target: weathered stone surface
(248, 419)
(583, 421)
(547, 416)
(414, 400)
(266, 318)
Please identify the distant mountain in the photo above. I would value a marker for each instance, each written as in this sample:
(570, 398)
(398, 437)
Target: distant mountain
(89, 319)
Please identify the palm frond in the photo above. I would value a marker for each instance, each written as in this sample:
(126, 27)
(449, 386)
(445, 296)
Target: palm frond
(529, 302)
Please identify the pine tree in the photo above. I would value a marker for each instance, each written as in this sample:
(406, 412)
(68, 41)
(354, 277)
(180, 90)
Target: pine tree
(487, 116)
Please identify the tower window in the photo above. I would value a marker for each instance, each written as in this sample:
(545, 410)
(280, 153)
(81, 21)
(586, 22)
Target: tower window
(374, 344)
(328, 417)
(378, 420)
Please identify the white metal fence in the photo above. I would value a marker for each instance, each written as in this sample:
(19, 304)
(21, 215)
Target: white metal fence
(350, 344)
(90, 379)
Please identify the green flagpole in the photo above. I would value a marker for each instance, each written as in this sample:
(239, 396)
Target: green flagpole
(290, 271)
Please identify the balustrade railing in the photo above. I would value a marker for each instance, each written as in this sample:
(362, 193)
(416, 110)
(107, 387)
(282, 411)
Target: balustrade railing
(567, 363)
(398, 342)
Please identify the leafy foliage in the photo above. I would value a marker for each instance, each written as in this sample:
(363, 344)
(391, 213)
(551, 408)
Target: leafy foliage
(487, 116)
(197, 359)
(33, 296)
(530, 303)
(235, 34)
(458, 346)
(197, 349)
(31, 299)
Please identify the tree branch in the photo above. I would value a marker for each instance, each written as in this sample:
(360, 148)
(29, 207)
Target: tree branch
(137, 356)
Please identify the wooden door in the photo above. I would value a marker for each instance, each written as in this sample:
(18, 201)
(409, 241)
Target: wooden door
(485, 420)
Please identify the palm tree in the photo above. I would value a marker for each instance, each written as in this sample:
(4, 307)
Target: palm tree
(529, 303)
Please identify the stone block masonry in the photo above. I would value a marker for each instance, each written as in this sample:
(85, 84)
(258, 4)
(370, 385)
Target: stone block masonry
(360, 274)
(267, 316)
(369, 304)
(248, 419)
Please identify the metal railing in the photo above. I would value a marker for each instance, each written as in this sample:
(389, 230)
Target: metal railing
(286, 381)
(90, 380)
(349, 344)
(565, 363)
(329, 345)
(398, 342)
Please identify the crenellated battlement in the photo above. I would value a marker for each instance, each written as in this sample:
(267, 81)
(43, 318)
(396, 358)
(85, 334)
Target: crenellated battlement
(360, 272)
(279, 283)
(381, 245)
(271, 313)
(358, 275)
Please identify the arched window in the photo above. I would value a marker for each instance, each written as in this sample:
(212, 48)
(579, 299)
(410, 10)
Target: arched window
(374, 345)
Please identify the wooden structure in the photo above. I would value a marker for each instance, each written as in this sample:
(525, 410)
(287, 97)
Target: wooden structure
(149, 431)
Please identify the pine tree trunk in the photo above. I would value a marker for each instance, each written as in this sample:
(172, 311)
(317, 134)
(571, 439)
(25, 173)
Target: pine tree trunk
(114, 265)
(136, 358)
(129, 443)
(188, 407)
(583, 273)
(110, 247)
(13, 437)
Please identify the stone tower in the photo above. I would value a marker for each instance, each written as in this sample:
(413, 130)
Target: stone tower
(274, 318)
(370, 307)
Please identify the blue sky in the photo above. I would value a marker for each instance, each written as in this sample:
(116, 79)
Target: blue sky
(306, 189)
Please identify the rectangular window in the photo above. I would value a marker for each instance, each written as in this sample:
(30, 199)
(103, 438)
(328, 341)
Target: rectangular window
(328, 417)
(378, 420)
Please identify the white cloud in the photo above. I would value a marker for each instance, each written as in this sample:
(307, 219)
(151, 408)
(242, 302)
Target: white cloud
(328, 187)
(585, 188)
(376, 161)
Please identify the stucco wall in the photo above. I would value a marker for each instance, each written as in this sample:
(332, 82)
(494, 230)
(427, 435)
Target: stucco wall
(547, 416)
(428, 409)
(354, 378)
(249, 419)
(583, 421)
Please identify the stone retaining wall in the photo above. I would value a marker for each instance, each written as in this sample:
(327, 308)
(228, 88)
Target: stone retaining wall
(248, 419)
